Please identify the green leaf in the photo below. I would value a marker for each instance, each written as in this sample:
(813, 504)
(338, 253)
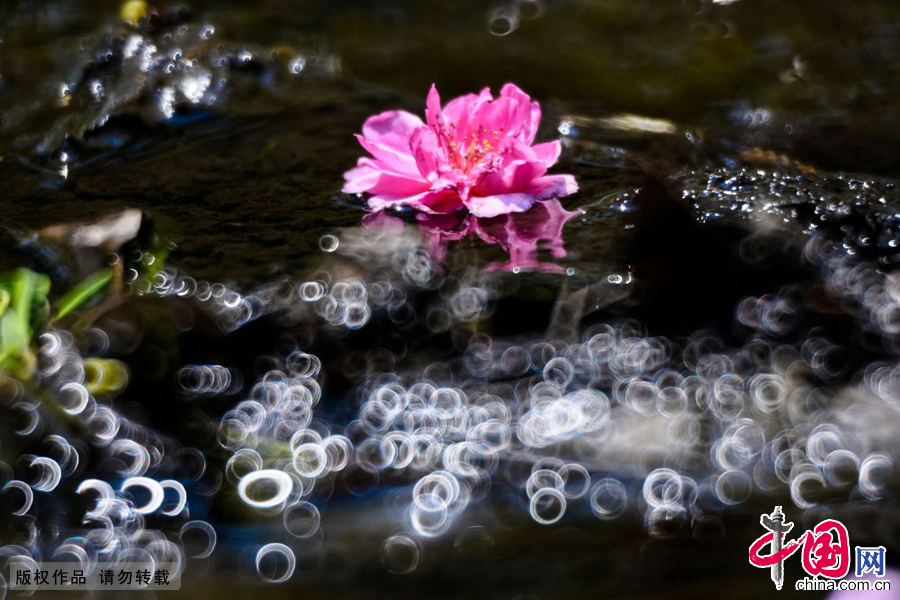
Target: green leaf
(41, 287)
(13, 336)
(24, 283)
(4, 300)
(81, 293)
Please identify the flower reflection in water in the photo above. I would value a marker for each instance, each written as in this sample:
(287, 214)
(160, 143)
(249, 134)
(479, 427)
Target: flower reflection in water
(521, 235)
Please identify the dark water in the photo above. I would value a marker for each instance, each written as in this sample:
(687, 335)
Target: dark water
(738, 199)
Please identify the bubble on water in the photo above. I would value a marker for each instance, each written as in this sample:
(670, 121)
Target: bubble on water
(576, 480)
(23, 487)
(768, 392)
(400, 554)
(841, 468)
(309, 460)
(338, 449)
(329, 243)
(608, 498)
(733, 487)
(439, 489)
(397, 450)
(206, 380)
(692, 426)
(275, 563)
(310, 291)
(180, 503)
(242, 462)
(490, 437)
(821, 443)
(153, 489)
(429, 519)
(418, 267)
(807, 485)
(297, 65)
(503, 21)
(32, 418)
(515, 361)
(74, 397)
(51, 474)
(875, 474)
(641, 396)
(437, 498)
(301, 364)
(68, 457)
(301, 519)
(77, 552)
(104, 492)
(266, 488)
(559, 372)
(199, 539)
(543, 478)
(547, 506)
(663, 487)
(104, 425)
(136, 455)
(666, 521)
(468, 302)
(439, 320)
(356, 315)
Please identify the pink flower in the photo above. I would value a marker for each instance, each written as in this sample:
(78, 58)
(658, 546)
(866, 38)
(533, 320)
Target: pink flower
(476, 153)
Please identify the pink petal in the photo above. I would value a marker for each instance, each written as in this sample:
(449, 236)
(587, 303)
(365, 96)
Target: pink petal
(399, 161)
(511, 90)
(359, 179)
(516, 176)
(391, 129)
(499, 204)
(548, 153)
(518, 167)
(531, 111)
(375, 177)
(431, 201)
(535, 122)
(372, 175)
(461, 114)
(427, 151)
(500, 116)
(398, 185)
(553, 186)
(458, 107)
(433, 115)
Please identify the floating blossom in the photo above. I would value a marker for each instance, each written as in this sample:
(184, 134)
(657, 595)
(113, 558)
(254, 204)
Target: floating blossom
(477, 153)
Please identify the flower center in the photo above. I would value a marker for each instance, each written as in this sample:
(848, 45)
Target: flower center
(473, 149)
